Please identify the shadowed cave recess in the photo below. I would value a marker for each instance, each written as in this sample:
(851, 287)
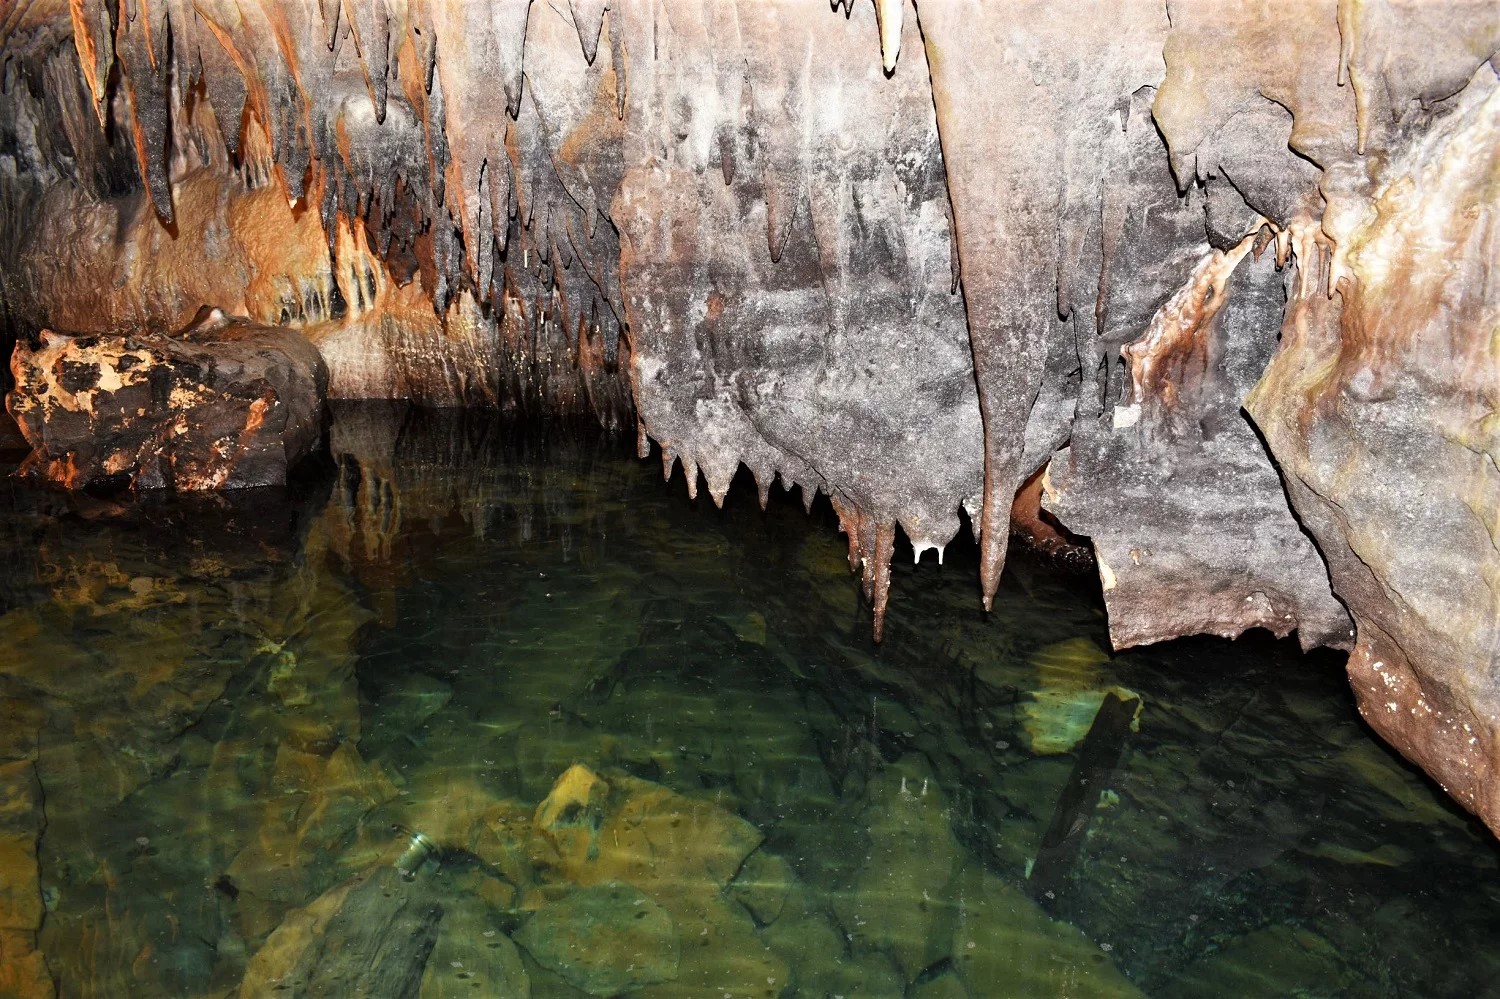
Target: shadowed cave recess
(1201, 296)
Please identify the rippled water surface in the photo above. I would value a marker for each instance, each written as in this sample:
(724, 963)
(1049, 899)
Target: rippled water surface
(488, 713)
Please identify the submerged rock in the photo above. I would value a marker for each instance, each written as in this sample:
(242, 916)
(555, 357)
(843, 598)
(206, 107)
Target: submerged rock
(631, 830)
(1003, 943)
(222, 407)
(1070, 688)
(23, 971)
(1274, 961)
(680, 853)
(368, 937)
(901, 901)
(472, 957)
(808, 937)
(21, 823)
(762, 886)
(605, 939)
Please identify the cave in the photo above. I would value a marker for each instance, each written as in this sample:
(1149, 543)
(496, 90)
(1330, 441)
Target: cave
(653, 498)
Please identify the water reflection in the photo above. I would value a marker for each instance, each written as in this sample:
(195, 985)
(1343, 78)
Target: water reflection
(478, 712)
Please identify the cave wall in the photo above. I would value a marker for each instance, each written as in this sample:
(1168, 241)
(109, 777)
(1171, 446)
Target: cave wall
(1223, 274)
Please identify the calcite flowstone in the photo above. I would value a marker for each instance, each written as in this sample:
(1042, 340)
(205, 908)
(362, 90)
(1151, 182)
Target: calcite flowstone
(1380, 408)
(222, 405)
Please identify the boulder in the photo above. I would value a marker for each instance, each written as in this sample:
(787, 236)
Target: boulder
(606, 939)
(1004, 944)
(371, 936)
(623, 838)
(222, 405)
(472, 956)
(900, 903)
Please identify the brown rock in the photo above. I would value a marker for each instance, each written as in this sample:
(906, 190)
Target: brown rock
(631, 830)
(1379, 407)
(23, 971)
(605, 939)
(221, 406)
(20, 825)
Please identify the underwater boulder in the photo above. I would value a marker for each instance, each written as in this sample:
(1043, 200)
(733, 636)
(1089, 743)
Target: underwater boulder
(22, 970)
(631, 830)
(1070, 688)
(370, 936)
(679, 852)
(605, 939)
(472, 957)
(1004, 944)
(901, 900)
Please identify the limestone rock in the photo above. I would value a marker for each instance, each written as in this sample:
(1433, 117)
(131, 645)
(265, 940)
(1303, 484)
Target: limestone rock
(681, 853)
(21, 823)
(371, 937)
(630, 830)
(1190, 526)
(23, 970)
(1378, 407)
(907, 256)
(946, 986)
(472, 956)
(808, 938)
(901, 900)
(1004, 943)
(283, 950)
(222, 407)
(574, 812)
(348, 790)
(1270, 962)
(762, 886)
(605, 939)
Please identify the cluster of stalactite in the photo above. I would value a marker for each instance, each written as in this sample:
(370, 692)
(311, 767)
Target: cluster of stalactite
(912, 256)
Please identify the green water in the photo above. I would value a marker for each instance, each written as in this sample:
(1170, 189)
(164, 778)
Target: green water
(221, 720)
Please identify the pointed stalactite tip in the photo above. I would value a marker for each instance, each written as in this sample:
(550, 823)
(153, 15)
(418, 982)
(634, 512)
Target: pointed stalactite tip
(889, 15)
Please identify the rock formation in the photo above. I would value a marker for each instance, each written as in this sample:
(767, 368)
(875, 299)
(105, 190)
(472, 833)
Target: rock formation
(225, 405)
(908, 255)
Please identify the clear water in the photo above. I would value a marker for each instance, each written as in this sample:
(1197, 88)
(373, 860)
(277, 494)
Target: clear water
(218, 715)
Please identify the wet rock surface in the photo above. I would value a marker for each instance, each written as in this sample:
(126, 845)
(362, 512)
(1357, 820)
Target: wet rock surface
(223, 406)
(1380, 406)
